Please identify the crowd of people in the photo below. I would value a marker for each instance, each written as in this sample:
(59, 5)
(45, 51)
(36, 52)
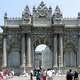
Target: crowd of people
(72, 75)
(41, 74)
(49, 74)
(6, 73)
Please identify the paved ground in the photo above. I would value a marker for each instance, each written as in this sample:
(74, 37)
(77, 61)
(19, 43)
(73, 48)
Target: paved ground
(18, 78)
(25, 78)
(57, 77)
(61, 77)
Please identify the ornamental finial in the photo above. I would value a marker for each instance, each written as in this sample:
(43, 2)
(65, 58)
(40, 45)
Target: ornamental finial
(34, 9)
(5, 15)
(42, 4)
(57, 12)
(26, 12)
(78, 15)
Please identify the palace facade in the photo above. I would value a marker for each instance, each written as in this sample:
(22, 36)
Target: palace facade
(22, 35)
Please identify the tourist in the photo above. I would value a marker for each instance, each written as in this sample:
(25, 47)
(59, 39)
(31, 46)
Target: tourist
(12, 71)
(11, 74)
(1, 77)
(49, 74)
(44, 74)
(31, 74)
(76, 75)
(69, 75)
(37, 75)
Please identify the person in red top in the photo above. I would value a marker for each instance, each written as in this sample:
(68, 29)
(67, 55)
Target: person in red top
(1, 77)
(44, 74)
(6, 72)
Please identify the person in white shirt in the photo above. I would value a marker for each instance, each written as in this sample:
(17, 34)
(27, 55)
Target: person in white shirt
(49, 73)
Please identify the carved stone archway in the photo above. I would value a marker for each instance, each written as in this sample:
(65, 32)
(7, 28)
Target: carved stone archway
(43, 57)
(39, 28)
(40, 39)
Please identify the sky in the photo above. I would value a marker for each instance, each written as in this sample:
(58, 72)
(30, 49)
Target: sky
(14, 8)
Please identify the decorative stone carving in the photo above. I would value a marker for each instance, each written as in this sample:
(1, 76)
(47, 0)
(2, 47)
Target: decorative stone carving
(57, 16)
(70, 40)
(26, 16)
(42, 10)
(42, 31)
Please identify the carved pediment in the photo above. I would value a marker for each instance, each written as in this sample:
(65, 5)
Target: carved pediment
(42, 10)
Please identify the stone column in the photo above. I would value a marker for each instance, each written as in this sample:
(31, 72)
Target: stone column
(78, 55)
(55, 50)
(23, 51)
(4, 53)
(61, 50)
(29, 51)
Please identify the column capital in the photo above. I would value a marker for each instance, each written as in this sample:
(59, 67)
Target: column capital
(28, 34)
(61, 34)
(22, 34)
(4, 35)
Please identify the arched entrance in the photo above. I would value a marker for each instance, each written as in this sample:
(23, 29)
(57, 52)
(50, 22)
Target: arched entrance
(43, 57)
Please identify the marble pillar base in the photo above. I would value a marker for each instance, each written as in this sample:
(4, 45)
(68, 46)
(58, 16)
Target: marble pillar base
(79, 66)
(61, 65)
(29, 65)
(4, 66)
(22, 66)
(55, 66)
